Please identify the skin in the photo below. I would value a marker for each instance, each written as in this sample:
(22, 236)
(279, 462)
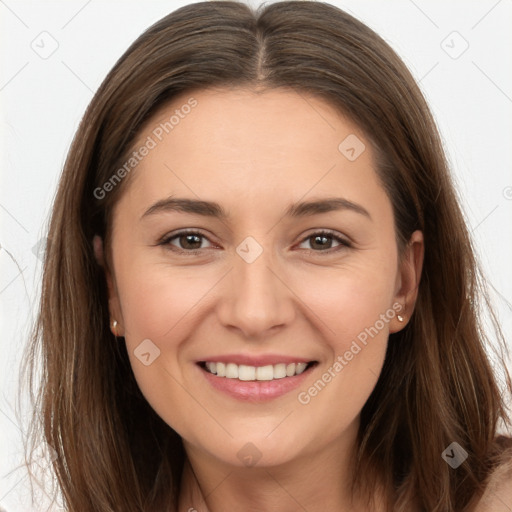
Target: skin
(255, 154)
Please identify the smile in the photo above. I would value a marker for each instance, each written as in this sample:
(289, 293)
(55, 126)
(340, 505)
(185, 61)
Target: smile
(256, 383)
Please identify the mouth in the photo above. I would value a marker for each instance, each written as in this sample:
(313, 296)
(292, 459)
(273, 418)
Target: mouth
(256, 383)
(249, 373)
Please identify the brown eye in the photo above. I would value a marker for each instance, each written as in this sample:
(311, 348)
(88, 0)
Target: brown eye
(323, 242)
(190, 241)
(185, 241)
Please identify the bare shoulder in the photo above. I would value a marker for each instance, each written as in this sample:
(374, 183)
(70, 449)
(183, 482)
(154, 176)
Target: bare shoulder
(498, 493)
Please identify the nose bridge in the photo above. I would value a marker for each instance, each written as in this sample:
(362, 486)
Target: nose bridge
(258, 300)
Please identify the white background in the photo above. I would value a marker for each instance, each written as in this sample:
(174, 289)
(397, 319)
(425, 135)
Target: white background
(43, 99)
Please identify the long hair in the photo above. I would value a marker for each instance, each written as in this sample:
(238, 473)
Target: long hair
(437, 386)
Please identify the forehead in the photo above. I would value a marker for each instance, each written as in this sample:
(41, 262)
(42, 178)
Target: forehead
(224, 143)
(273, 120)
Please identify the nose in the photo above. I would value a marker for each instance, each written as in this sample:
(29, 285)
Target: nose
(257, 297)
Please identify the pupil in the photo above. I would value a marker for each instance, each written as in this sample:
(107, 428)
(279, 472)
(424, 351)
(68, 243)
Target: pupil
(323, 238)
(189, 239)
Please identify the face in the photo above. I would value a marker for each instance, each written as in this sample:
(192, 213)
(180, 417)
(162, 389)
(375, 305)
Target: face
(295, 266)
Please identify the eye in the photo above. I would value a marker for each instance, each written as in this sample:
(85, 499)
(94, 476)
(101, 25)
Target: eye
(322, 242)
(190, 242)
(186, 241)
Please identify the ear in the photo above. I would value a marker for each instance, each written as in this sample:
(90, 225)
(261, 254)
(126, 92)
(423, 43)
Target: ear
(408, 280)
(113, 297)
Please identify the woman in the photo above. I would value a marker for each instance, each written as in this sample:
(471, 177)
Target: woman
(259, 292)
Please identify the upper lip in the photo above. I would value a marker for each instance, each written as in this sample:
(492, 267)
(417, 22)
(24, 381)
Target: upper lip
(253, 360)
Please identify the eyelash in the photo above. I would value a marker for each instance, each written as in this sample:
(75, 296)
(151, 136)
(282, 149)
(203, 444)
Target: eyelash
(167, 239)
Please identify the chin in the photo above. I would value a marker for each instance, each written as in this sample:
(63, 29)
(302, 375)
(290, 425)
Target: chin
(256, 449)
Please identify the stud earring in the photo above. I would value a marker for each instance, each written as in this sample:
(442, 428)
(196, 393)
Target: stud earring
(114, 328)
(400, 318)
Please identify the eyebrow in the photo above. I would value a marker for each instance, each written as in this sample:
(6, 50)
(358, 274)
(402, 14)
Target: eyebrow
(215, 210)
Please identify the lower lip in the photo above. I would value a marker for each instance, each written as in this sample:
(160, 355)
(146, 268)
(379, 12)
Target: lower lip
(256, 391)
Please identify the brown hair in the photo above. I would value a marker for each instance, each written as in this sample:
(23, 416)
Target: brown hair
(437, 385)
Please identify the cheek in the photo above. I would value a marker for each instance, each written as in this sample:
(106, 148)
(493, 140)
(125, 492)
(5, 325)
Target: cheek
(158, 300)
(354, 304)
(349, 299)
(161, 304)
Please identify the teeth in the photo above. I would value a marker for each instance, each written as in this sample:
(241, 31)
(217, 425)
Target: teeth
(246, 373)
(231, 371)
(300, 368)
(265, 372)
(221, 369)
(279, 371)
(290, 369)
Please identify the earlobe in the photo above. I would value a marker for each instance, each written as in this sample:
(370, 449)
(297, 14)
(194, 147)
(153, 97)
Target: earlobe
(113, 300)
(409, 280)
